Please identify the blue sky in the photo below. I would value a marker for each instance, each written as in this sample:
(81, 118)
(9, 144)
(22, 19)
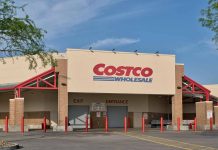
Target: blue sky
(167, 26)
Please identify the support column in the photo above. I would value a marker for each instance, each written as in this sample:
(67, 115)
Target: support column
(19, 102)
(177, 108)
(204, 111)
(62, 92)
(12, 113)
(216, 116)
(16, 112)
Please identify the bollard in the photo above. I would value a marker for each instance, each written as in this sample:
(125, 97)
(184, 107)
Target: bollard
(22, 125)
(66, 124)
(195, 124)
(161, 124)
(87, 123)
(125, 124)
(178, 124)
(106, 123)
(143, 124)
(211, 123)
(44, 124)
(6, 124)
(91, 124)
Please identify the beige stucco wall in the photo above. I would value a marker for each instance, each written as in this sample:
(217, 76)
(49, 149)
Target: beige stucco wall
(213, 88)
(80, 72)
(159, 104)
(42, 101)
(136, 103)
(17, 69)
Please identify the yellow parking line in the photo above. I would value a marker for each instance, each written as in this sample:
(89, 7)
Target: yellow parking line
(164, 139)
(169, 145)
(177, 141)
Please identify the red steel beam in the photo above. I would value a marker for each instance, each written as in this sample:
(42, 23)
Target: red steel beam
(40, 88)
(191, 85)
(36, 82)
(37, 79)
(34, 78)
(46, 82)
(197, 84)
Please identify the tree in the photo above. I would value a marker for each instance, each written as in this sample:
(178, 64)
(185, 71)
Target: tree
(19, 36)
(209, 18)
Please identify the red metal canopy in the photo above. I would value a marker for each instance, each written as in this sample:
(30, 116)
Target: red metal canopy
(48, 81)
(44, 81)
(189, 86)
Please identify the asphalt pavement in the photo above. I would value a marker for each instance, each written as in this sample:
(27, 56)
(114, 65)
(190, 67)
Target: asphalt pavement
(114, 140)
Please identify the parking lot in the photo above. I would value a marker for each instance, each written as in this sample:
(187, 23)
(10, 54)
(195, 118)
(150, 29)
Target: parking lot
(118, 140)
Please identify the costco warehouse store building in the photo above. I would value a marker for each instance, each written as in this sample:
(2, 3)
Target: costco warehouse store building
(99, 83)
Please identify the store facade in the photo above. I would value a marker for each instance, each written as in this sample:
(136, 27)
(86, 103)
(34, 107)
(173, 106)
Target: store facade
(94, 84)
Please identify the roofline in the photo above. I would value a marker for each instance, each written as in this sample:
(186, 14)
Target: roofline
(122, 52)
(46, 72)
(181, 64)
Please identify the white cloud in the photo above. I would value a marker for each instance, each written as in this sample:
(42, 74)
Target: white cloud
(113, 41)
(125, 14)
(146, 7)
(201, 47)
(60, 16)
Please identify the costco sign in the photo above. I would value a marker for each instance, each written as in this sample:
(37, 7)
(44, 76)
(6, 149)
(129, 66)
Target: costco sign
(105, 72)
